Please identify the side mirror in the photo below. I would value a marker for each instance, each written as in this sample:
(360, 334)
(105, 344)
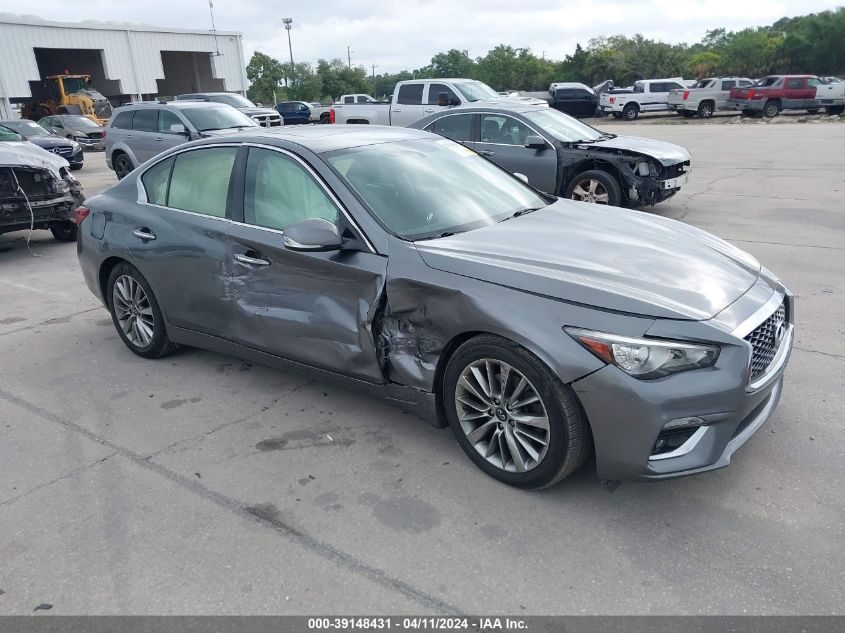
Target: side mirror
(535, 142)
(178, 128)
(259, 105)
(522, 177)
(313, 234)
(443, 99)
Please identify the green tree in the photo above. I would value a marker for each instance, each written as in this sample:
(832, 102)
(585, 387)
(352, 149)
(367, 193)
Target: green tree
(453, 63)
(265, 75)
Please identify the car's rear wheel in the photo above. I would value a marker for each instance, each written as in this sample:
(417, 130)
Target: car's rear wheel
(705, 109)
(136, 314)
(630, 112)
(771, 109)
(64, 231)
(596, 186)
(512, 416)
(122, 166)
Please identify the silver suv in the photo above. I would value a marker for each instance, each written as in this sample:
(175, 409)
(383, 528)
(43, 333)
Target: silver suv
(139, 131)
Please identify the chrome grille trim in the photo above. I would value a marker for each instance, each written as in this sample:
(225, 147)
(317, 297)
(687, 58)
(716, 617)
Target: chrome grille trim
(765, 341)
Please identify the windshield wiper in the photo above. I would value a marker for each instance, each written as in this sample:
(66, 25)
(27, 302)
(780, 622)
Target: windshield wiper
(520, 212)
(434, 237)
(608, 135)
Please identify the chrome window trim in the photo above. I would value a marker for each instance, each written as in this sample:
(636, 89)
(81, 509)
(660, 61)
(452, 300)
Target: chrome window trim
(143, 199)
(683, 449)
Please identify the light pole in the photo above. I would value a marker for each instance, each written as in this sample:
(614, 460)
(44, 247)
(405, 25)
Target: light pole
(287, 22)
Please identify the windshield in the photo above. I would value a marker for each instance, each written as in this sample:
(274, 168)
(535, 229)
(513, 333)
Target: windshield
(25, 128)
(561, 126)
(420, 189)
(74, 84)
(75, 120)
(236, 101)
(217, 118)
(7, 134)
(475, 90)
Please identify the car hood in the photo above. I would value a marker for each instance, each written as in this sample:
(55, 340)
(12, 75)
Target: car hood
(48, 142)
(24, 153)
(610, 258)
(257, 111)
(666, 153)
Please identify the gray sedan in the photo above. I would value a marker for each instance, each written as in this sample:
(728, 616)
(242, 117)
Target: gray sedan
(564, 156)
(542, 331)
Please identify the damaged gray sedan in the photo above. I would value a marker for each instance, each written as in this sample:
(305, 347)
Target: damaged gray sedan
(541, 330)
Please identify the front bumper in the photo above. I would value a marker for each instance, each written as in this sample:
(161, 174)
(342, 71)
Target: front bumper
(627, 415)
(91, 143)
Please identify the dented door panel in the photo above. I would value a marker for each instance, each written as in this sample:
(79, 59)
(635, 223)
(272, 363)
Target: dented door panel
(315, 308)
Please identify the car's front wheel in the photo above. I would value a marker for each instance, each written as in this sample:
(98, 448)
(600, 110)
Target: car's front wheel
(514, 418)
(136, 314)
(596, 186)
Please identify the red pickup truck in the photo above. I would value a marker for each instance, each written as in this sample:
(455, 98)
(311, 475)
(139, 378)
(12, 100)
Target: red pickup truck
(772, 94)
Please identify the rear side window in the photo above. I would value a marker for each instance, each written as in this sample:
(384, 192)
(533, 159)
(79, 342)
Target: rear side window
(145, 121)
(123, 121)
(155, 181)
(794, 84)
(457, 127)
(200, 181)
(410, 94)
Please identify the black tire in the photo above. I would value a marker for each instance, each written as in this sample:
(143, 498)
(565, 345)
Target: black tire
(837, 110)
(64, 231)
(771, 109)
(813, 110)
(705, 109)
(569, 443)
(76, 167)
(686, 114)
(630, 112)
(607, 180)
(122, 165)
(159, 344)
(616, 115)
(325, 118)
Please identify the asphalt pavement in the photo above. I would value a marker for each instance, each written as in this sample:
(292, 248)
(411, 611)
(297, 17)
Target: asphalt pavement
(200, 483)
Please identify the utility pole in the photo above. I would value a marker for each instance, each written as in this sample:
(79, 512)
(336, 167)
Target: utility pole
(213, 28)
(287, 22)
(374, 78)
(348, 57)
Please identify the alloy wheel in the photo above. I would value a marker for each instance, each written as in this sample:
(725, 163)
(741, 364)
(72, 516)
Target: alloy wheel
(590, 190)
(133, 311)
(502, 415)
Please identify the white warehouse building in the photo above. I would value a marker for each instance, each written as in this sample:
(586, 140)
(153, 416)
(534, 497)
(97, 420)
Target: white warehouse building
(127, 62)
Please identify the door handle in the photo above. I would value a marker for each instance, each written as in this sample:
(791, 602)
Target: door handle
(485, 152)
(429, 110)
(144, 234)
(158, 138)
(251, 261)
(397, 109)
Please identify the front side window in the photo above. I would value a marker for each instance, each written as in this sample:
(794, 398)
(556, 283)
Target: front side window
(166, 118)
(727, 85)
(457, 127)
(200, 180)
(410, 94)
(363, 99)
(145, 121)
(814, 83)
(155, 181)
(504, 130)
(419, 189)
(279, 191)
(434, 91)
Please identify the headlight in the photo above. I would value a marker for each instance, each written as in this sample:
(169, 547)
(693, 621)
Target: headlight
(645, 358)
(74, 146)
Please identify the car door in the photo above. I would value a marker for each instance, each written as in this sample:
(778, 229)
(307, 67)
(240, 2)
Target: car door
(433, 98)
(724, 91)
(166, 139)
(796, 92)
(501, 138)
(409, 105)
(178, 236)
(144, 133)
(311, 307)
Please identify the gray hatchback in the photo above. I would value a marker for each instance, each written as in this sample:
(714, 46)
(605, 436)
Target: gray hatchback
(542, 330)
(140, 131)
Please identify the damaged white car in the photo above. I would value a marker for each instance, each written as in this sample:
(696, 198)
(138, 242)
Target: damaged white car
(37, 190)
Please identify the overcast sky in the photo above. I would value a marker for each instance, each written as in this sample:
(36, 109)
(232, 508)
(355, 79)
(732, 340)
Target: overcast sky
(405, 34)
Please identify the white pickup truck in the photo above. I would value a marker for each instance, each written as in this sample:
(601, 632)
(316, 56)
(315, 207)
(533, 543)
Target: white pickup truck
(416, 98)
(647, 95)
(706, 96)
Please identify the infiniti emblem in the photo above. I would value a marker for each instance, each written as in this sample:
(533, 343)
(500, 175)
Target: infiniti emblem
(780, 330)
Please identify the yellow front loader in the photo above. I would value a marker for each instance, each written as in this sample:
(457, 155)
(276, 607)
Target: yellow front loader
(69, 94)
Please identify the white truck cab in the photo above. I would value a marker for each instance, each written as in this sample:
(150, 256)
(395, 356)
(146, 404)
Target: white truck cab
(646, 95)
(356, 98)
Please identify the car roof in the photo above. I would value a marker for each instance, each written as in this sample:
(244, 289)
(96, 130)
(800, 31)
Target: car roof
(327, 138)
(186, 103)
(496, 107)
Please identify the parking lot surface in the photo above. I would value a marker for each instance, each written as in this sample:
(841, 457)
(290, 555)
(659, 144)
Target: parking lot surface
(199, 483)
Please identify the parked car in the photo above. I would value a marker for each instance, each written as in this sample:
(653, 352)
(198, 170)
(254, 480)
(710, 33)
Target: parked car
(265, 117)
(571, 98)
(76, 127)
(320, 112)
(37, 191)
(774, 93)
(417, 98)
(68, 149)
(139, 131)
(566, 157)
(356, 98)
(541, 330)
(294, 112)
(706, 96)
(648, 95)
